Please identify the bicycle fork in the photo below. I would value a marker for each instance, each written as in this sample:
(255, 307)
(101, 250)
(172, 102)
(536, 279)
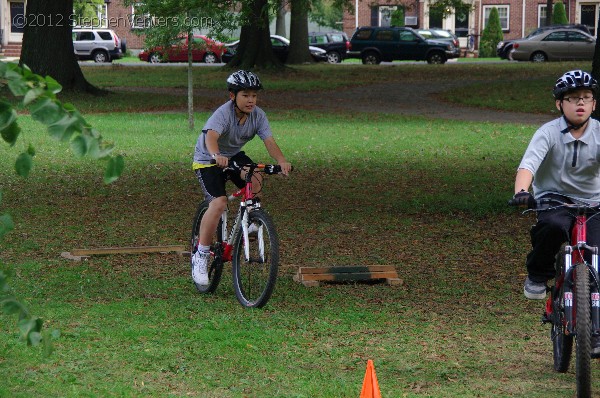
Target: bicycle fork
(574, 256)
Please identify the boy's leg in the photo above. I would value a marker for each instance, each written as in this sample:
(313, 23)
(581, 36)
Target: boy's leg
(549, 233)
(212, 181)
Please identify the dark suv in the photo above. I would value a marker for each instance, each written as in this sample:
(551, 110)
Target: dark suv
(375, 44)
(504, 48)
(335, 43)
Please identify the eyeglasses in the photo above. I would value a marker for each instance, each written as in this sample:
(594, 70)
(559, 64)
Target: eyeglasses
(573, 100)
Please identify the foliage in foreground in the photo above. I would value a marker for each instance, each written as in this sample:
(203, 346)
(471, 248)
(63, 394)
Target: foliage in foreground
(64, 123)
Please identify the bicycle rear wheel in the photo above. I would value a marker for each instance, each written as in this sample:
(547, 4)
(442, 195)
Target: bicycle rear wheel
(562, 342)
(254, 279)
(583, 327)
(215, 265)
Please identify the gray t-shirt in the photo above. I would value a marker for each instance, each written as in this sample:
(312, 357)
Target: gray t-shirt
(232, 136)
(563, 165)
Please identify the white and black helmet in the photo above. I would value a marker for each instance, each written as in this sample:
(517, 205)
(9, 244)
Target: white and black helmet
(243, 80)
(574, 80)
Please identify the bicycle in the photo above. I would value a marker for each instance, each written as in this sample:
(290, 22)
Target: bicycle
(573, 307)
(254, 254)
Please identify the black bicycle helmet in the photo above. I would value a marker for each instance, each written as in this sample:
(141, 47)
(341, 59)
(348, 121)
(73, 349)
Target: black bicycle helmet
(243, 80)
(574, 80)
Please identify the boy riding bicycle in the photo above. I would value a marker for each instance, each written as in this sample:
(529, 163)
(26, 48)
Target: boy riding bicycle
(562, 160)
(229, 128)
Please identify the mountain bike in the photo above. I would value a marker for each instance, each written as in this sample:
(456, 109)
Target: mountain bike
(573, 306)
(251, 244)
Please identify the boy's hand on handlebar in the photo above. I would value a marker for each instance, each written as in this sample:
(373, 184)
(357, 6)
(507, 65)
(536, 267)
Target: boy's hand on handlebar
(285, 168)
(221, 161)
(523, 199)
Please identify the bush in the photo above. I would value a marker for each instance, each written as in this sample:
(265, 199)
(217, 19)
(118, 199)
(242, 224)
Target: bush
(398, 17)
(559, 15)
(491, 36)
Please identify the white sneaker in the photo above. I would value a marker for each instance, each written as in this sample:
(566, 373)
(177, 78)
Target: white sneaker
(200, 267)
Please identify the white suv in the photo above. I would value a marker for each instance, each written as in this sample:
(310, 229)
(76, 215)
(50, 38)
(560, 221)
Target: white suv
(100, 45)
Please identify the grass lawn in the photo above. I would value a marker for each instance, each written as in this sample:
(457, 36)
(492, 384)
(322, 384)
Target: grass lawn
(426, 196)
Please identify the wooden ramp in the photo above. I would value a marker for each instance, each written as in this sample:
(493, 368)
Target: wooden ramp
(313, 276)
(79, 254)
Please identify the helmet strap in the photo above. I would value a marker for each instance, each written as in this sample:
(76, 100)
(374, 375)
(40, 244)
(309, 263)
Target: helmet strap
(237, 108)
(571, 126)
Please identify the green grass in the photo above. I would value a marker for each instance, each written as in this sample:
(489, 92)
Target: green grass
(426, 196)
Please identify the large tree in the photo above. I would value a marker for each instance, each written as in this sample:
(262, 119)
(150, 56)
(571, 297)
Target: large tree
(299, 53)
(48, 48)
(254, 49)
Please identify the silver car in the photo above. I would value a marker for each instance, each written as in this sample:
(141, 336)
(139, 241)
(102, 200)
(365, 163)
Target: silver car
(100, 45)
(555, 45)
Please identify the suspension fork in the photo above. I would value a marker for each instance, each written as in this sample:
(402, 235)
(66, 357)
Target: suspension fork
(594, 293)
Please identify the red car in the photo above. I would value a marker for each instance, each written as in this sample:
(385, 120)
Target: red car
(204, 49)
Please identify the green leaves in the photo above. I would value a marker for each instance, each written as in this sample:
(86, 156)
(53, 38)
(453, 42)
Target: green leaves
(6, 224)
(64, 122)
(114, 169)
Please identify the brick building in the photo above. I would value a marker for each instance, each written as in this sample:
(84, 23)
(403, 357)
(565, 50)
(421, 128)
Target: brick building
(517, 17)
(113, 15)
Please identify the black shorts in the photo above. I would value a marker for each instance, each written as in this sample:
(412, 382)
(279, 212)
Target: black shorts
(212, 179)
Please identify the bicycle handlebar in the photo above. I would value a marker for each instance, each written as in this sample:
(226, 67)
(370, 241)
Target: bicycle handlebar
(551, 203)
(267, 168)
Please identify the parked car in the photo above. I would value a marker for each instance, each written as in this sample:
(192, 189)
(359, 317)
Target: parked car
(100, 45)
(375, 44)
(555, 45)
(504, 48)
(204, 49)
(281, 48)
(336, 44)
(441, 35)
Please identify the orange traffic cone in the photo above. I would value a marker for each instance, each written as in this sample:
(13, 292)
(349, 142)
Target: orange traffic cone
(370, 388)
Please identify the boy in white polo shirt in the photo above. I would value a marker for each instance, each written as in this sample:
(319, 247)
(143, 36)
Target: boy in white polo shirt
(562, 160)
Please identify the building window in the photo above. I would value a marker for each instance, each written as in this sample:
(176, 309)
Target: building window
(542, 15)
(385, 15)
(139, 20)
(103, 16)
(503, 13)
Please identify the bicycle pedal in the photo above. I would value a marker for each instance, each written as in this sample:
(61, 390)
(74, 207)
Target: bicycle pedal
(546, 318)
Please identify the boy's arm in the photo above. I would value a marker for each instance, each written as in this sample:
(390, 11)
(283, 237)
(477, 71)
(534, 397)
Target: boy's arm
(212, 145)
(523, 180)
(276, 154)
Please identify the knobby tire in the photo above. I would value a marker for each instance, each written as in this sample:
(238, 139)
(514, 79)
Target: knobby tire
(584, 331)
(562, 342)
(215, 266)
(254, 281)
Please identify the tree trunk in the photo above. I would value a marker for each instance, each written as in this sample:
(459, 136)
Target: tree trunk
(254, 49)
(190, 82)
(596, 73)
(48, 48)
(280, 22)
(299, 53)
(549, 5)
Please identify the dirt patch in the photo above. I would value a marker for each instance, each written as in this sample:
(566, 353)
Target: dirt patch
(416, 99)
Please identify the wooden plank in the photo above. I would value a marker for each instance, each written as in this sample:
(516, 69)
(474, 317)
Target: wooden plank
(345, 269)
(358, 276)
(127, 250)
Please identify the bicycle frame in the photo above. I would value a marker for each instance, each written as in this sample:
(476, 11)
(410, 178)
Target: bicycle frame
(574, 256)
(248, 202)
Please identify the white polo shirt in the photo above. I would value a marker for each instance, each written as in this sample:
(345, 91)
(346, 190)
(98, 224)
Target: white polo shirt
(563, 165)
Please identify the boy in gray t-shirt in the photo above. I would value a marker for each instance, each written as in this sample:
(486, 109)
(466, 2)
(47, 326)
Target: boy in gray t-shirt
(225, 133)
(564, 158)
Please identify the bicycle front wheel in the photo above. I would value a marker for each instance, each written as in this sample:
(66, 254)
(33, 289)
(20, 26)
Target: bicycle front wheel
(255, 267)
(215, 264)
(583, 327)
(562, 342)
